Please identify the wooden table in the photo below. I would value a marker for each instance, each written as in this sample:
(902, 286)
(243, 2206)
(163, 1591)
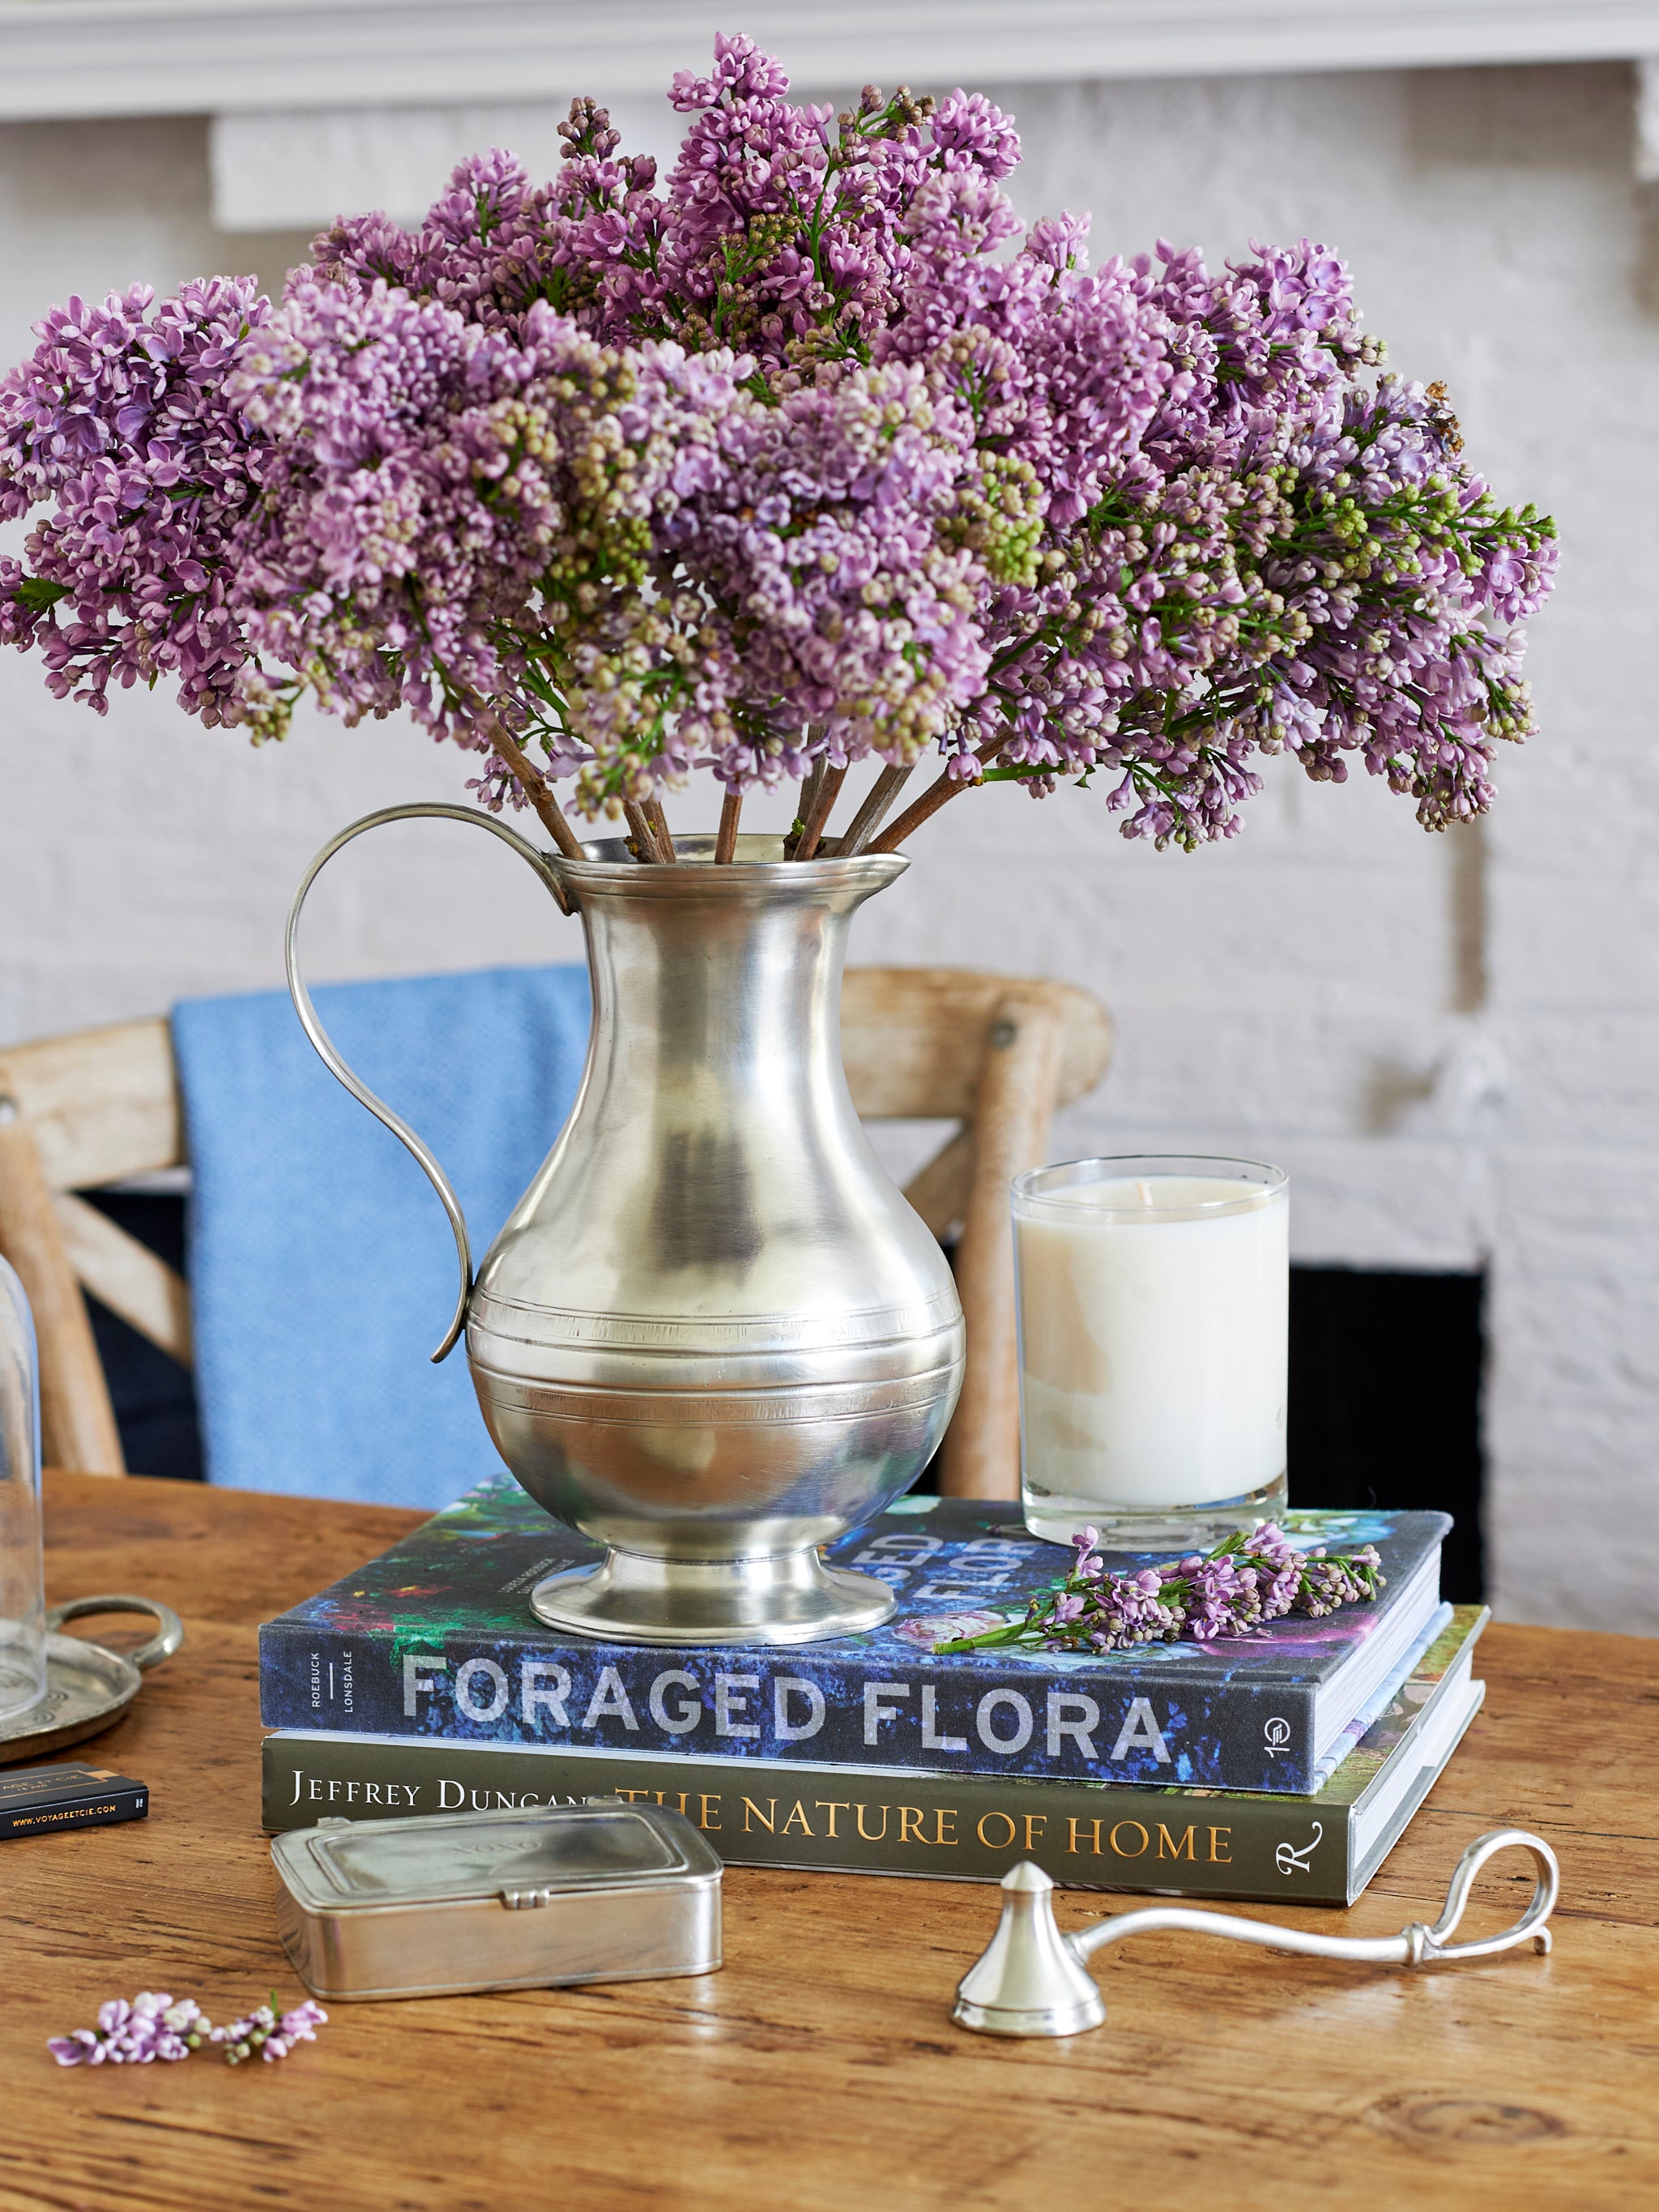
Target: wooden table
(819, 2072)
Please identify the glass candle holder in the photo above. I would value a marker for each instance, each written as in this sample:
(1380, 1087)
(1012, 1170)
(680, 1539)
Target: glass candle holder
(22, 1599)
(1153, 1299)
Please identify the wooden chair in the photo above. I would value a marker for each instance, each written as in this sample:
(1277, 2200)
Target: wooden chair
(993, 1053)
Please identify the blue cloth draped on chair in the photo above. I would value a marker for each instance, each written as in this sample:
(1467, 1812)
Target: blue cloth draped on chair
(321, 1264)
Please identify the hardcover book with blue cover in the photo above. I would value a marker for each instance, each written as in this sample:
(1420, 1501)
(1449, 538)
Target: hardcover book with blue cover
(436, 1639)
(1319, 1850)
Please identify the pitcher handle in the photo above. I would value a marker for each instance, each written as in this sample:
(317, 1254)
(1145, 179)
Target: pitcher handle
(544, 866)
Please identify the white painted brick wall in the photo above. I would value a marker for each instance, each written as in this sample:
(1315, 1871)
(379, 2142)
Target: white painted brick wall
(1452, 1044)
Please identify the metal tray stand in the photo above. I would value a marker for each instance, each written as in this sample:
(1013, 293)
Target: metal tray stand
(88, 1688)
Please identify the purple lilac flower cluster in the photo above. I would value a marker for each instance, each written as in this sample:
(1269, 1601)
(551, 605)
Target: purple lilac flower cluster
(157, 2027)
(1244, 1584)
(121, 419)
(269, 2033)
(815, 454)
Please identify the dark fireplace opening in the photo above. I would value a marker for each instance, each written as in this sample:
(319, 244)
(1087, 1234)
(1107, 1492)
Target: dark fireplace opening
(1385, 1401)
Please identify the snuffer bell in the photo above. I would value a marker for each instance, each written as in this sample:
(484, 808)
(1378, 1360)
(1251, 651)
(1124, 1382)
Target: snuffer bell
(1032, 1980)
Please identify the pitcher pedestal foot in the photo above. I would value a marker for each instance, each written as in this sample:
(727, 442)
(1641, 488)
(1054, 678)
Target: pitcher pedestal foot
(790, 1598)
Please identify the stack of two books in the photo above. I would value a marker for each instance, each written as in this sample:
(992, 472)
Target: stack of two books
(1286, 1763)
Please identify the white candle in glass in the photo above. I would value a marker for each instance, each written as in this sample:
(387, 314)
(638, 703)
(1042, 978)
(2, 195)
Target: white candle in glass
(1154, 1298)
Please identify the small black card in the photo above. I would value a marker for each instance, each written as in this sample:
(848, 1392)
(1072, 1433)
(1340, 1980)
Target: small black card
(36, 1800)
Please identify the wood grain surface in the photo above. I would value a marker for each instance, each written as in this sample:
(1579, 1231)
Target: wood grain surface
(819, 2070)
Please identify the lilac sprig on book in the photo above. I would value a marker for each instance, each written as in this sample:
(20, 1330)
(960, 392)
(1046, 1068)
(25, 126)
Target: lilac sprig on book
(1245, 1582)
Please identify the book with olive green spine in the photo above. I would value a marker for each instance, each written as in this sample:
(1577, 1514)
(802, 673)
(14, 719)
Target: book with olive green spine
(1319, 1850)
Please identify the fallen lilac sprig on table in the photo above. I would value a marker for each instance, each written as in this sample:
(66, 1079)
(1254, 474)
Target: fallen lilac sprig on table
(272, 2034)
(1243, 1583)
(155, 2026)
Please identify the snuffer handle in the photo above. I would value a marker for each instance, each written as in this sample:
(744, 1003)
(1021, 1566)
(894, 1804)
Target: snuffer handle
(1416, 1945)
(1031, 1979)
(542, 864)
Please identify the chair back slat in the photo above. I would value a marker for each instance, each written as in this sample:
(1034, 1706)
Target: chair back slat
(912, 1039)
(77, 1421)
(938, 1191)
(102, 1104)
(126, 1276)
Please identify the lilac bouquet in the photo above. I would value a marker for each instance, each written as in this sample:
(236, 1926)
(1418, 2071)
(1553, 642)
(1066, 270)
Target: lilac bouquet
(1244, 1582)
(816, 454)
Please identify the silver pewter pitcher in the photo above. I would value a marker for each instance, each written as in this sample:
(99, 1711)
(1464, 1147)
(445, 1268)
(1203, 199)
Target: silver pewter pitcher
(711, 1335)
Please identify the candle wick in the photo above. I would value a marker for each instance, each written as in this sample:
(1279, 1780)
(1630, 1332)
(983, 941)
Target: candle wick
(1144, 1191)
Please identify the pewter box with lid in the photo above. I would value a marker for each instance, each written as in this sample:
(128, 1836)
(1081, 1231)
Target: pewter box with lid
(604, 1892)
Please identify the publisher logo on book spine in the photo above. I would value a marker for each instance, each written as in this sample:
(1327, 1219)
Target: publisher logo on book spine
(1277, 1732)
(1289, 1860)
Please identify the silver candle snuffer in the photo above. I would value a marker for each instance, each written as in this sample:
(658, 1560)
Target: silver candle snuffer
(1032, 1980)
(440, 1905)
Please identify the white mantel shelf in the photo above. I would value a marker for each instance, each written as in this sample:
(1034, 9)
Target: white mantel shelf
(91, 58)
